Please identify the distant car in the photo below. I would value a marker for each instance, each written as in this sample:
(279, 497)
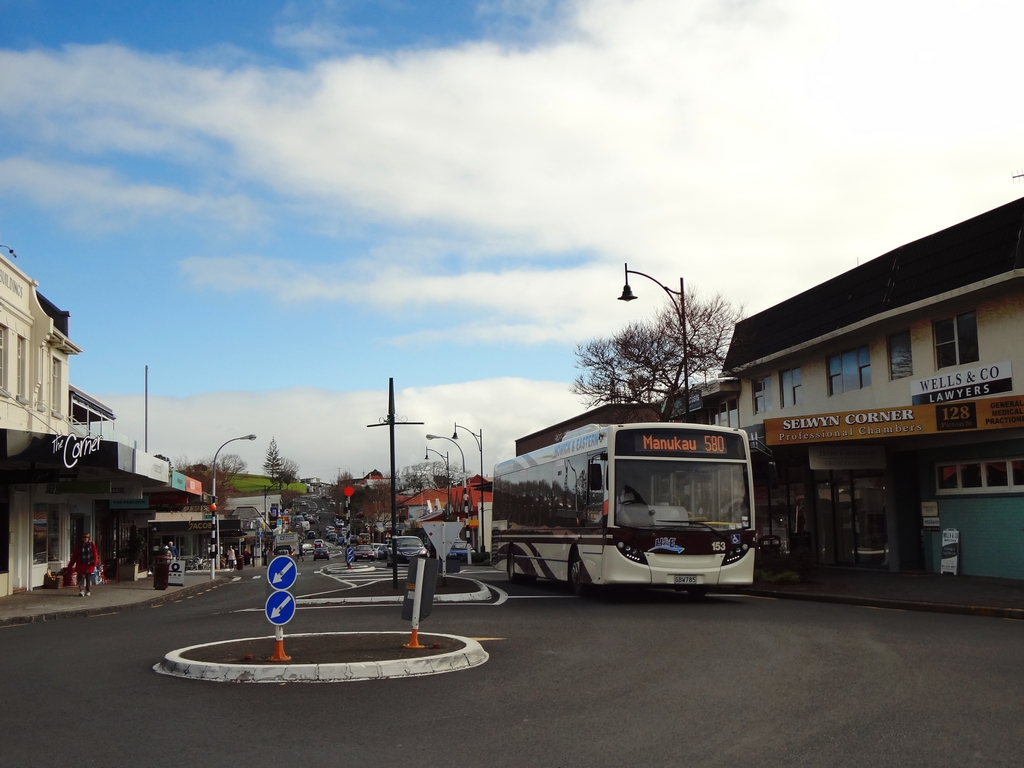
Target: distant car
(382, 551)
(321, 553)
(283, 549)
(364, 552)
(319, 543)
(460, 551)
(307, 547)
(310, 534)
(332, 536)
(408, 546)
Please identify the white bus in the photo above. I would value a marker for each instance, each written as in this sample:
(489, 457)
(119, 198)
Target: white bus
(647, 504)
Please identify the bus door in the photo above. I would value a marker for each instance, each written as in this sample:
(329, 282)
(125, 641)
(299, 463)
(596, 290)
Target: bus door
(597, 482)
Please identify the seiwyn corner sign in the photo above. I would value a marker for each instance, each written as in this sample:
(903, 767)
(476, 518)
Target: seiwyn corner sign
(1006, 412)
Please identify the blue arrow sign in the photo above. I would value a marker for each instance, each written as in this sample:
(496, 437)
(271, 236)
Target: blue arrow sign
(280, 608)
(350, 555)
(281, 573)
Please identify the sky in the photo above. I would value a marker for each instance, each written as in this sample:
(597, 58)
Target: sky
(278, 206)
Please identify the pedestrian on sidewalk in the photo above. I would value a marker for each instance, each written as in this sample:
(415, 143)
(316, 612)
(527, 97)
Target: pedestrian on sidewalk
(171, 549)
(231, 558)
(84, 560)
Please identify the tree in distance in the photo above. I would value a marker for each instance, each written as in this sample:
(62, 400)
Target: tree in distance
(644, 363)
(280, 470)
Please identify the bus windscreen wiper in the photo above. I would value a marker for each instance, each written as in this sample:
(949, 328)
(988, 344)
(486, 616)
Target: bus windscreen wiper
(711, 528)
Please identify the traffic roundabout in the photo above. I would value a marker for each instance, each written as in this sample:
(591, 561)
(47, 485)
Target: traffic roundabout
(324, 657)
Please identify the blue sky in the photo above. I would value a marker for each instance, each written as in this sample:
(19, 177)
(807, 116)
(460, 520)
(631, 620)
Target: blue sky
(278, 205)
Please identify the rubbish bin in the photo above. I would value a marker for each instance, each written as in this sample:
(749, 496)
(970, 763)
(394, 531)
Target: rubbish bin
(240, 560)
(161, 571)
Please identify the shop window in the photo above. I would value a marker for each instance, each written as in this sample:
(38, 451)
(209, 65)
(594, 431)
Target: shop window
(989, 476)
(956, 340)
(762, 394)
(39, 538)
(849, 371)
(792, 389)
(901, 360)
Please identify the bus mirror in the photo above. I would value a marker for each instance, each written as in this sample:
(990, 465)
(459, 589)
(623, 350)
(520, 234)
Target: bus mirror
(773, 475)
(595, 477)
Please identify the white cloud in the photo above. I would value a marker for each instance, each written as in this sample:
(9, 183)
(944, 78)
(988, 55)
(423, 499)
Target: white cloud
(323, 430)
(755, 147)
(96, 199)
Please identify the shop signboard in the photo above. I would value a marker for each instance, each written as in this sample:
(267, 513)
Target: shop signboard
(930, 515)
(950, 551)
(965, 416)
(841, 457)
(176, 575)
(980, 381)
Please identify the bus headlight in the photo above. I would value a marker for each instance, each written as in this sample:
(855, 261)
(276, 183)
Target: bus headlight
(631, 553)
(735, 554)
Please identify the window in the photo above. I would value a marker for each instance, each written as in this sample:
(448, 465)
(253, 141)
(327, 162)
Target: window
(980, 476)
(849, 371)
(55, 387)
(956, 340)
(901, 361)
(3, 357)
(22, 357)
(791, 387)
(728, 414)
(763, 394)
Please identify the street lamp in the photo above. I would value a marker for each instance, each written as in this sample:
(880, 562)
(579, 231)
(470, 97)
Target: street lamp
(678, 299)
(464, 489)
(213, 494)
(482, 542)
(447, 469)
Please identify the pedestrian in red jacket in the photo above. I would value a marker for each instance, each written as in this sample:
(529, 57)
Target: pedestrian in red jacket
(84, 560)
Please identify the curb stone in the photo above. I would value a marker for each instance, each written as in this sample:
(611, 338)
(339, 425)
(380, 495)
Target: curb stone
(881, 602)
(110, 609)
(175, 665)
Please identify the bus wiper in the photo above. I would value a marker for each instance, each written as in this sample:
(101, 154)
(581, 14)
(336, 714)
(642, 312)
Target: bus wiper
(711, 528)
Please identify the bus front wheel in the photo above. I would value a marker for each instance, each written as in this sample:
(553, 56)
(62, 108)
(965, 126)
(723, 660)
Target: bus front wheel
(576, 576)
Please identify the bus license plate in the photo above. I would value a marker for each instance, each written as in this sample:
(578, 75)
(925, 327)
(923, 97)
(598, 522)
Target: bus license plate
(688, 579)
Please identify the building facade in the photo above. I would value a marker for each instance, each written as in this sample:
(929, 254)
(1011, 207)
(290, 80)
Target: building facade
(62, 466)
(887, 400)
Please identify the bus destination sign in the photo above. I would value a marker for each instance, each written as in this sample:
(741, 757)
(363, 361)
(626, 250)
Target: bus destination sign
(679, 442)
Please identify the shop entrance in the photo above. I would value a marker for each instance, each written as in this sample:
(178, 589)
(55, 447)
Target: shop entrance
(850, 511)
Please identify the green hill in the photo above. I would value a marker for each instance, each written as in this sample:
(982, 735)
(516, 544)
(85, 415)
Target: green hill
(257, 483)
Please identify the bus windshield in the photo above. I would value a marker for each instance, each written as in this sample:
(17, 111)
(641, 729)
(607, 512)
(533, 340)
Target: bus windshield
(681, 494)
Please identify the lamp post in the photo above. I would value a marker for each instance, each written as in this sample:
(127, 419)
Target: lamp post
(447, 469)
(678, 299)
(482, 541)
(463, 455)
(213, 494)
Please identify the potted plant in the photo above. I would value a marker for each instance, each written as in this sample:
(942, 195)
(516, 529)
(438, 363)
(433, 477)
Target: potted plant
(129, 569)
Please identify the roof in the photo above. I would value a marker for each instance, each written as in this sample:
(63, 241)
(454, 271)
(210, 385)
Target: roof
(966, 253)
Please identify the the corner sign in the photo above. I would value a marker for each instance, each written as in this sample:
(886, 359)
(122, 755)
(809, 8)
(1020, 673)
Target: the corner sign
(1004, 412)
(981, 381)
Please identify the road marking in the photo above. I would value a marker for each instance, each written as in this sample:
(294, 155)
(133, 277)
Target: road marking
(485, 639)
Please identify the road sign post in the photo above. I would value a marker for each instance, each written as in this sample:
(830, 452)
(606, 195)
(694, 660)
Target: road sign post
(419, 596)
(280, 605)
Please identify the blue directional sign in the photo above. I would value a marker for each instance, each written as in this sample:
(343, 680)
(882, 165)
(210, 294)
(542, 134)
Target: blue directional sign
(280, 608)
(281, 572)
(350, 554)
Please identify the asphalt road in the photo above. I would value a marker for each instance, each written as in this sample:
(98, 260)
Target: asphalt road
(626, 679)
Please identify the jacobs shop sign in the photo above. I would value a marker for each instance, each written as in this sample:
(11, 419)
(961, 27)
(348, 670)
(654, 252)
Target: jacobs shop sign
(982, 381)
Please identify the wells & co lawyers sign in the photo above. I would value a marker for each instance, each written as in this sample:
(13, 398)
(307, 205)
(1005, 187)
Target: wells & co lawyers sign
(960, 416)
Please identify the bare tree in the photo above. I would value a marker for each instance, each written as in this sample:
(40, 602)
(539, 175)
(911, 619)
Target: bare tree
(229, 466)
(644, 363)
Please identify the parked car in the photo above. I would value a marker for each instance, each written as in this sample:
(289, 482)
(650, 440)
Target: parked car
(408, 546)
(364, 552)
(321, 553)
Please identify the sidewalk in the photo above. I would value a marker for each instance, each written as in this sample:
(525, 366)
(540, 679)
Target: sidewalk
(49, 604)
(971, 595)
